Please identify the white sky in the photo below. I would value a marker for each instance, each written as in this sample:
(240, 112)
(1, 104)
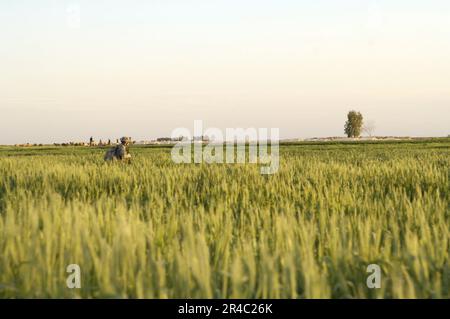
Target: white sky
(144, 68)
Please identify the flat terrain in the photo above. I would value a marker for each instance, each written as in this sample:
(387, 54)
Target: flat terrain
(155, 229)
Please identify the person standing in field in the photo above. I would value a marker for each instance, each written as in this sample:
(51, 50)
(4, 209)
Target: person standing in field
(120, 152)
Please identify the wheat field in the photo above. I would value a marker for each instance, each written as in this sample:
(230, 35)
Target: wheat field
(155, 229)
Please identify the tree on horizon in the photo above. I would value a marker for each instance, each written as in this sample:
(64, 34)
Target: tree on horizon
(354, 124)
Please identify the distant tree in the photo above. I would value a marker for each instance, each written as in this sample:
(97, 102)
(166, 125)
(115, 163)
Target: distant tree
(354, 124)
(369, 128)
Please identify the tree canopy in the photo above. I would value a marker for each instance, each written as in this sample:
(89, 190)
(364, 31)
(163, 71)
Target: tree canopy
(354, 124)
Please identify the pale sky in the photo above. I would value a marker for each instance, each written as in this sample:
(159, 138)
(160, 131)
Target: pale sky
(72, 69)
